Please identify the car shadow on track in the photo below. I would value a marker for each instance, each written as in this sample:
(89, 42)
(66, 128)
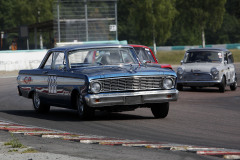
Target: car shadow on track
(205, 89)
(71, 115)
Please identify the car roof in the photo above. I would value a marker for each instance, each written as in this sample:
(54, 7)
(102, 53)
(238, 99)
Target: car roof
(207, 49)
(137, 45)
(88, 46)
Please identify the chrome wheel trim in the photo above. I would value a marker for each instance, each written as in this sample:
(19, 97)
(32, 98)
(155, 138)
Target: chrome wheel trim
(36, 100)
(235, 84)
(80, 107)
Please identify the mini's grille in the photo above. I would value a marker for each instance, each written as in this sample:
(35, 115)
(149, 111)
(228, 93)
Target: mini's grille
(197, 77)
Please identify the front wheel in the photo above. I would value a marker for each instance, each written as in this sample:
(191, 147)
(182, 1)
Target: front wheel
(179, 87)
(84, 111)
(160, 110)
(38, 105)
(222, 85)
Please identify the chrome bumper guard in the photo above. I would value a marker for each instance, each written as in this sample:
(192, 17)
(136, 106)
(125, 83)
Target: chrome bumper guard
(131, 98)
(199, 83)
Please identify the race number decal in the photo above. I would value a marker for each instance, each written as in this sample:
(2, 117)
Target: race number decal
(52, 84)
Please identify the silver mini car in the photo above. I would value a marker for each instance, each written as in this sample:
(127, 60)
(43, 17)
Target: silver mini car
(207, 67)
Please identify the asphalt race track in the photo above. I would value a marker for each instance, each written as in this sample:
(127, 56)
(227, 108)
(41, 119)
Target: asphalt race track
(203, 117)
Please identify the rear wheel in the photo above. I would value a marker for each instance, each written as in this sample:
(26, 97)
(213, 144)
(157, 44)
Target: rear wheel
(222, 85)
(233, 86)
(160, 110)
(38, 105)
(84, 111)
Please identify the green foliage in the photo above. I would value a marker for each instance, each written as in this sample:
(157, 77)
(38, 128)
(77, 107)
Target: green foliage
(164, 13)
(14, 13)
(228, 33)
(30, 12)
(29, 150)
(200, 14)
(169, 22)
(13, 150)
(6, 13)
(232, 7)
(179, 22)
(195, 17)
(14, 143)
(145, 20)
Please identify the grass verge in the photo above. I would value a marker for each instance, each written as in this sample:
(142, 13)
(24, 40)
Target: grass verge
(174, 57)
(14, 143)
(29, 150)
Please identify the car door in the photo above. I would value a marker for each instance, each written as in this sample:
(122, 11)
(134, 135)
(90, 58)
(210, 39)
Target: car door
(55, 70)
(231, 67)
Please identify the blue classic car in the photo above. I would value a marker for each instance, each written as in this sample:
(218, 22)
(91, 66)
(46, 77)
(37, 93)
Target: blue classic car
(97, 77)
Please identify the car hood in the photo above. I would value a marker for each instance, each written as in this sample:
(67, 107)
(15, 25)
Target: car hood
(161, 65)
(199, 67)
(95, 72)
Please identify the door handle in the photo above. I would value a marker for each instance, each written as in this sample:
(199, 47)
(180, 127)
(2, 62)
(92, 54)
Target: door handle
(45, 72)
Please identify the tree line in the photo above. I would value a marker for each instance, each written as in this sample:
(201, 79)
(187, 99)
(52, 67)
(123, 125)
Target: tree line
(165, 22)
(179, 22)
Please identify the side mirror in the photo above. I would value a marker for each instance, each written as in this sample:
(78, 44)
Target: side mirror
(181, 61)
(225, 62)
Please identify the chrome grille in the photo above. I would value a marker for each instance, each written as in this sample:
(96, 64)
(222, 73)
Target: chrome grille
(197, 77)
(131, 83)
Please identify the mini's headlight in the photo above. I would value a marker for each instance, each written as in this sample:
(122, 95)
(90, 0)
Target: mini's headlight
(167, 83)
(95, 87)
(180, 70)
(214, 71)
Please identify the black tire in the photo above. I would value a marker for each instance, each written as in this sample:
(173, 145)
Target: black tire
(222, 85)
(84, 111)
(160, 110)
(193, 88)
(179, 87)
(38, 105)
(233, 86)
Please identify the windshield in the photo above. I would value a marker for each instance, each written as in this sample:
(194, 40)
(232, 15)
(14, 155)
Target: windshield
(101, 56)
(203, 56)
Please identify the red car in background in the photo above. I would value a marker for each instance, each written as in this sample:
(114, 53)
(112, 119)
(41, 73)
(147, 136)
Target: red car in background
(145, 54)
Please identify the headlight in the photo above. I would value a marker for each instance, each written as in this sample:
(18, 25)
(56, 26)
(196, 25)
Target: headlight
(180, 71)
(167, 83)
(95, 87)
(214, 71)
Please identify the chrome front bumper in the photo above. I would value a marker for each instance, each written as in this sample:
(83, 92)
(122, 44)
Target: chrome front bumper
(199, 83)
(131, 98)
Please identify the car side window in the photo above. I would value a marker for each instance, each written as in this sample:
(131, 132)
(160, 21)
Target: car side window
(55, 61)
(127, 57)
(142, 55)
(48, 62)
(230, 58)
(150, 57)
(58, 61)
(225, 57)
